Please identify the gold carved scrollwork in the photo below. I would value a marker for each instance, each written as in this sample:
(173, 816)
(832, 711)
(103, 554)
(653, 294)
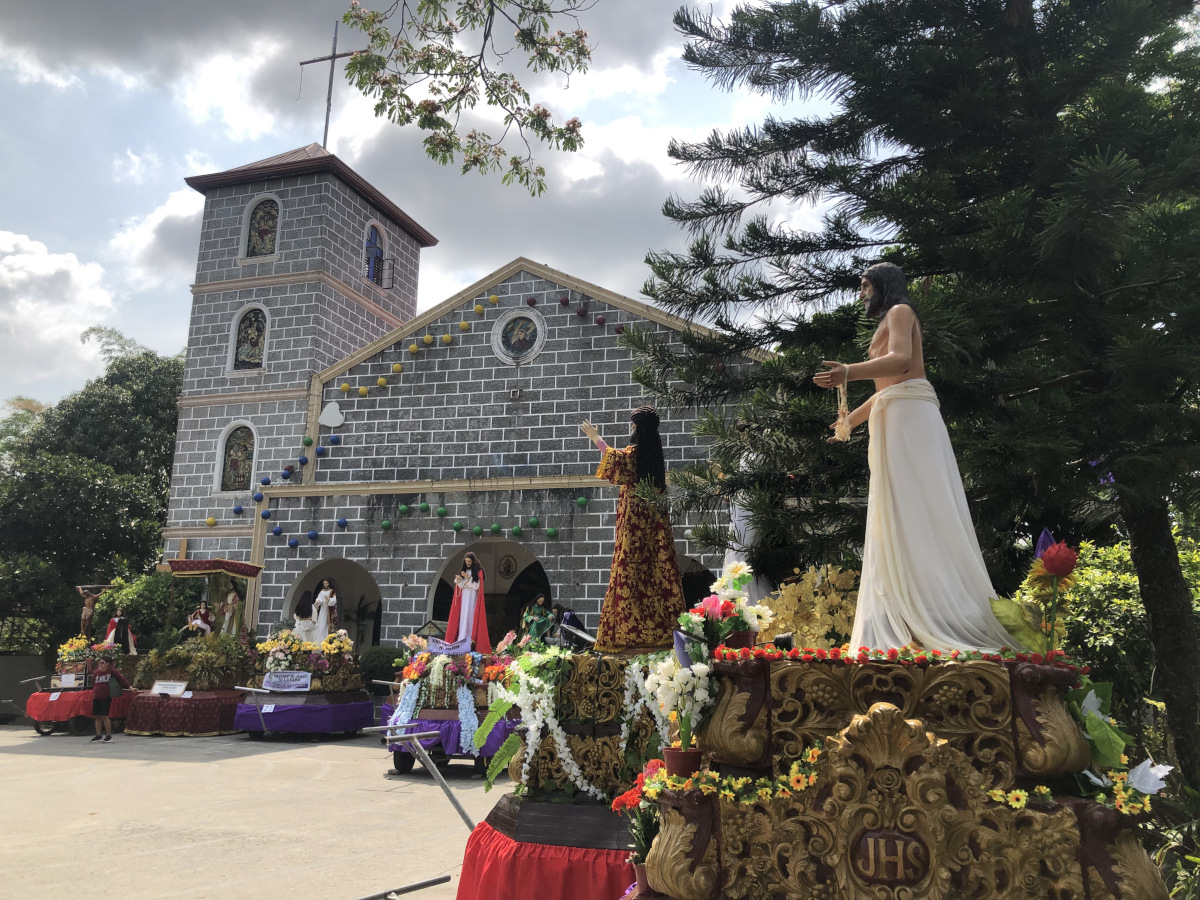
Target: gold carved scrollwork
(967, 704)
(1062, 748)
(725, 734)
(576, 701)
(669, 866)
(1137, 875)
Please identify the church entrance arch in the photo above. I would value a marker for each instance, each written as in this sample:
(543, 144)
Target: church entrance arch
(359, 609)
(512, 578)
(697, 580)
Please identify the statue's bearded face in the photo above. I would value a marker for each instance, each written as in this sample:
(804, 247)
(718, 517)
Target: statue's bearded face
(865, 290)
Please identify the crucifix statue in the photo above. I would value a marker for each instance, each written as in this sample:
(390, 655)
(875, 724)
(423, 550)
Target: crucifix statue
(332, 59)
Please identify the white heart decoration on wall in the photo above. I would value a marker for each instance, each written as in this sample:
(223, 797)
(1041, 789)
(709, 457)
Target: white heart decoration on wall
(332, 415)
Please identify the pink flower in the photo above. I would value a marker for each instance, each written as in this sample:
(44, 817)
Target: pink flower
(712, 607)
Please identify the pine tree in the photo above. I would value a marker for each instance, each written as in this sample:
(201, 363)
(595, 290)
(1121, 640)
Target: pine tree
(1035, 169)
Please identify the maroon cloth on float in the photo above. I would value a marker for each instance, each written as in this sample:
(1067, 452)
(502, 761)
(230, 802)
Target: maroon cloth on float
(69, 704)
(479, 633)
(203, 714)
(495, 867)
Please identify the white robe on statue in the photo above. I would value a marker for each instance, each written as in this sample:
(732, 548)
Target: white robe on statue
(306, 629)
(466, 609)
(321, 607)
(923, 577)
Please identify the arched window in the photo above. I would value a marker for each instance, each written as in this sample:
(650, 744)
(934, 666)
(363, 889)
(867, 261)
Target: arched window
(251, 340)
(264, 227)
(237, 460)
(374, 256)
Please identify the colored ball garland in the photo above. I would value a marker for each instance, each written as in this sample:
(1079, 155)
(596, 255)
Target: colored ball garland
(424, 507)
(551, 532)
(397, 368)
(534, 521)
(293, 543)
(307, 442)
(345, 387)
(581, 502)
(381, 381)
(413, 349)
(210, 521)
(320, 451)
(493, 299)
(457, 526)
(258, 497)
(386, 524)
(427, 339)
(403, 510)
(464, 326)
(441, 510)
(277, 531)
(237, 510)
(313, 535)
(477, 531)
(362, 391)
(495, 528)
(303, 460)
(342, 522)
(335, 439)
(265, 481)
(516, 531)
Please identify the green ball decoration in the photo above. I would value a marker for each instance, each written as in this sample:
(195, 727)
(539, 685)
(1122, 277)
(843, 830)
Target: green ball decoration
(457, 526)
(386, 524)
(581, 502)
(403, 510)
(441, 510)
(551, 532)
(424, 507)
(534, 521)
(308, 442)
(477, 531)
(495, 528)
(516, 531)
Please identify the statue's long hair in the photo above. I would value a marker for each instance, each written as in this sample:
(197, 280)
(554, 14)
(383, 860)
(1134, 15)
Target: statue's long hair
(304, 606)
(475, 568)
(889, 288)
(649, 453)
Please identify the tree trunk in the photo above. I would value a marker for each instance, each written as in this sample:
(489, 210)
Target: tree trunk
(1168, 603)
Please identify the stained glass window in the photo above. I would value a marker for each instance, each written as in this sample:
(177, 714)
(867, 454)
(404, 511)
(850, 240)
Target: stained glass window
(264, 224)
(251, 340)
(238, 461)
(374, 255)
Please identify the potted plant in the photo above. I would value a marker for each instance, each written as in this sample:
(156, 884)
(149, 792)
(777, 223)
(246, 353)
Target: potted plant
(726, 617)
(684, 693)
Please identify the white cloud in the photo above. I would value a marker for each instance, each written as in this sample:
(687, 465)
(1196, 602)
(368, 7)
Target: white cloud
(131, 167)
(221, 87)
(28, 69)
(46, 300)
(161, 245)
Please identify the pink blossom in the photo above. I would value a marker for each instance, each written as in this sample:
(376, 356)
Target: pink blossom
(712, 607)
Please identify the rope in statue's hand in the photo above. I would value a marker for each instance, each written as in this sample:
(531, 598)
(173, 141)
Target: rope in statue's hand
(841, 428)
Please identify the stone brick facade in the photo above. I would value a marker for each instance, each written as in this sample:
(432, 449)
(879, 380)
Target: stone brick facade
(460, 429)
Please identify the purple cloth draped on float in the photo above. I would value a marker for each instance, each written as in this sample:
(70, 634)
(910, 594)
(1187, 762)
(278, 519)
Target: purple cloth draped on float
(449, 731)
(307, 718)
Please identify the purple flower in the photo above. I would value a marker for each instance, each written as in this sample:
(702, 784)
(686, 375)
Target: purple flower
(1045, 542)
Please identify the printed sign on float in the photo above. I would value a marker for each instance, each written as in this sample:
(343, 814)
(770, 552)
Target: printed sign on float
(287, 681)
(170, 688)
(459, 647)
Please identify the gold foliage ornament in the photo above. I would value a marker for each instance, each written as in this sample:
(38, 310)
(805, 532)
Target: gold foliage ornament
(817, 607)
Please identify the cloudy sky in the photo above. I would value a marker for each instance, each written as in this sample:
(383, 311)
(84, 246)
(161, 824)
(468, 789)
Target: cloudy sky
(110, 105)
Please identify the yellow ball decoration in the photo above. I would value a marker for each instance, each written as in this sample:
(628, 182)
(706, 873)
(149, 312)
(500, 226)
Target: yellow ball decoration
(397, 368)
(382, 382)
(464, 326)
(362, 391)
(413, 348)
(493, 299)
(210, 521)
(345, 387)
(479, 309)
(428, 339)
(447, 339)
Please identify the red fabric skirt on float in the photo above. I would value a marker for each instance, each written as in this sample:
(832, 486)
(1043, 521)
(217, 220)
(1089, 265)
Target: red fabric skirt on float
(495, 867)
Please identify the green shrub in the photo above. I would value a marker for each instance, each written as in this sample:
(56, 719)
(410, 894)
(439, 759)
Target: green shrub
(379, 663)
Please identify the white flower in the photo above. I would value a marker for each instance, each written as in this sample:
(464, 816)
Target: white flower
(736, 569)
(1148, 778)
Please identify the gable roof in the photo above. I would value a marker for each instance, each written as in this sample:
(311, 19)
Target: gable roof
(312, 160)
(520, 264)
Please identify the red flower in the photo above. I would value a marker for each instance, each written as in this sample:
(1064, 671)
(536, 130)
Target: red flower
(654, 765)
(835, 653)
(864, 657)
(744, 653)
(821, 654)
(955, 654)
(937, 653)
(1037, 659)
(793, 653)
(1060, 560)
(726, 609)
(893, 654)
(807, 657)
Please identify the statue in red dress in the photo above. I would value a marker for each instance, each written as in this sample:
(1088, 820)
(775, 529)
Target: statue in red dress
(467, 613)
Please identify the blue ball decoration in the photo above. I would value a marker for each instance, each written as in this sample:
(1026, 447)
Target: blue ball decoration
(293, 543)
(285, 474)
(237, 510)
(313, 535)
(342, 522)
(320, 451)
(277, 531)
(258, 497)
(335, 439)
(266, 480)
(266, 514)
(303, 460)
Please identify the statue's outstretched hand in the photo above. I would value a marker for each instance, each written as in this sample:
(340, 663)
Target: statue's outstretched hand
(590, 430)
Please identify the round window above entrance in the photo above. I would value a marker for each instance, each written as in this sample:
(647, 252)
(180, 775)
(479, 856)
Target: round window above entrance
(518, 336)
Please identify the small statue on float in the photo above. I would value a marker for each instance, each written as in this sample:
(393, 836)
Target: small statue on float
(537, 619)
(119, 634)
(468, 615)
(199, 623)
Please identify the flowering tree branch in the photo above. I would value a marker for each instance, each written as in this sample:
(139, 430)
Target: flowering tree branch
(419, 70)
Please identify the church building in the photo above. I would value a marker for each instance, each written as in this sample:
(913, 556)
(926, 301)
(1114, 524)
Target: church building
(327, 430)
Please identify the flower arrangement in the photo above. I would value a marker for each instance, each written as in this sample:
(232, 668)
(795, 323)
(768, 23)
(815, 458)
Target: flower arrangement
(417, 667)
(77, 650)
(338, 647)
(332, 659)
(683, 690)
(816, 607)
(743, 790)
(905, 656)
(1032, 615)
(726, 610)
(643, 815)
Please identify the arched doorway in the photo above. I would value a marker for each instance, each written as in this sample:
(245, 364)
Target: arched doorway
(512, 578)
(697, 580)
(359, 606)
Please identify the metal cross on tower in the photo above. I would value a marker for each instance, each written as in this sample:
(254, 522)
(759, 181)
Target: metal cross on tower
(332, 59)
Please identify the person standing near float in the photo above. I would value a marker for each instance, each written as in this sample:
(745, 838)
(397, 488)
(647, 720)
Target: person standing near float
(103, 692)
(924, 582)
(645, 590)
(324, 610)
(468, 615)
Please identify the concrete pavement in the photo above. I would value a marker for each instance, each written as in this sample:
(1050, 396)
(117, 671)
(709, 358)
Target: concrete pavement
(155, 817)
